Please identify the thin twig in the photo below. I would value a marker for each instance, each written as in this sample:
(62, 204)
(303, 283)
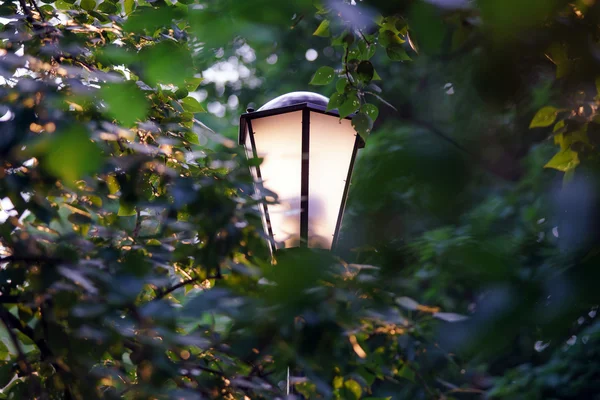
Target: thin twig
(165, 292)
(27, 11)
(350, 81)
(138, 223)
(364, 38)
(33, 2)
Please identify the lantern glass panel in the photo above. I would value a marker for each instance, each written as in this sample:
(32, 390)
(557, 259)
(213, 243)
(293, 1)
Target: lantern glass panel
(331, 147)
(278, 140)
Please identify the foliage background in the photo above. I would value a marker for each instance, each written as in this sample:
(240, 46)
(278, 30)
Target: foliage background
(133, 261)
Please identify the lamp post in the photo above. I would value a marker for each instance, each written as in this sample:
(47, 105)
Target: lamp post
(308, 155)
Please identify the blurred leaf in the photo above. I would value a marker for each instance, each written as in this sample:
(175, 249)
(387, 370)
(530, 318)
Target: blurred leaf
(150, 19)
(506, 24)
(351, 390)
(88, 5)
(125, 101)
(406, 372)
(428, 30)
(6, 373)
(407, 303)
(450, 317)
(72, 155)
(323, 29)
(128, 6)
(544, 117)
(323, 76)
(167, 62)
(126, 210)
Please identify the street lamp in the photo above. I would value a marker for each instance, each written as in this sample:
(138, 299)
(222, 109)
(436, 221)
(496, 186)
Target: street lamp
(307, 158)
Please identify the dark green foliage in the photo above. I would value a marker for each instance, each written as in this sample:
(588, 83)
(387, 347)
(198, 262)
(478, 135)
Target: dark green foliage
(134, 263)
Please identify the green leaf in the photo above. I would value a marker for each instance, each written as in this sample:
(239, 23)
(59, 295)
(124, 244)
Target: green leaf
(352, 390)
(323, 76)
(108, 7)
(125, 101)
(341, 85)
(544, 117)
(407, 373)
(63, 5)
(365, 71)
(192, 105)
(88, 5)
(349, 106)
(6, 373)
(397, 53)
(365, 50)
(565, 160)
(371, 110)
(167, 62)
(192, 137)
(147, 19)
(4, 352)
(192, 84)
(362, 124)
(323, 29)
(336, 100)
(72, 155)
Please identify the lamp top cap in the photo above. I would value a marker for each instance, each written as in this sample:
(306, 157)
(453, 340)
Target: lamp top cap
(295, 98)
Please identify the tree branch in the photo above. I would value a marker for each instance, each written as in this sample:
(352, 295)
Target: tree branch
(165, 292)
(26, 11)
(37, 9)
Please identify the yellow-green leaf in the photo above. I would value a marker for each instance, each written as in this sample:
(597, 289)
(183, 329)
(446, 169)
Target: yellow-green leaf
(128, 6)
(193, 83)
(544, 117)
(352, 390)
(126, 210)
(565, 160)
(323, 29)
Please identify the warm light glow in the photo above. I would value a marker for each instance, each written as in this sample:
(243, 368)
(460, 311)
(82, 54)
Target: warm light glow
(278, 140)
(331, 145)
